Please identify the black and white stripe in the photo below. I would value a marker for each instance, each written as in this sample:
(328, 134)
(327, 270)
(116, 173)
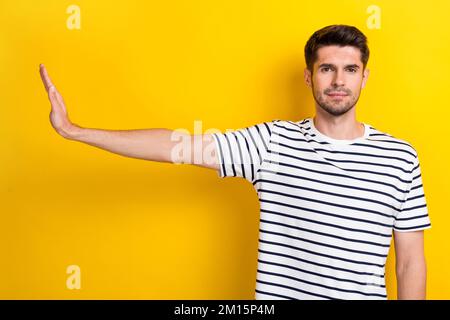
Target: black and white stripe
(327, 207)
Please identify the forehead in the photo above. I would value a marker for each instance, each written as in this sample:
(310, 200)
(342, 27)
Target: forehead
(339, 55)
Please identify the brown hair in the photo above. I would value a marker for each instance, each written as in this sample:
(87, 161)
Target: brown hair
(338, 34)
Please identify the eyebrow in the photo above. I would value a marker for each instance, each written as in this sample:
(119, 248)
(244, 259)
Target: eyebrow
(332, 65)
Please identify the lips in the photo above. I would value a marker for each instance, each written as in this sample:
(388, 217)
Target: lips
(337, 94)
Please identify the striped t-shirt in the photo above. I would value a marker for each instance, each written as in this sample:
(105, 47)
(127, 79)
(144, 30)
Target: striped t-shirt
(327, 207)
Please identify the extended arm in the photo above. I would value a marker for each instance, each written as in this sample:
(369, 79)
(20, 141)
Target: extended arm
(157, 144)
(410, 265)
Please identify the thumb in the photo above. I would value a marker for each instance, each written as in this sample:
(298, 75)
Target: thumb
(56, 99)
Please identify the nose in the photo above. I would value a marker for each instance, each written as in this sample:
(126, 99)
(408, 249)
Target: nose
(338, 79)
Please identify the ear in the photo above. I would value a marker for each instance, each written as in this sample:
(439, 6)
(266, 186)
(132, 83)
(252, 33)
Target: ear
(307, 76)
(365, 76)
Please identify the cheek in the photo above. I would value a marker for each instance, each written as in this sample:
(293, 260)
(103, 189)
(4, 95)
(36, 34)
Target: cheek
(358, 84)
(321, 84)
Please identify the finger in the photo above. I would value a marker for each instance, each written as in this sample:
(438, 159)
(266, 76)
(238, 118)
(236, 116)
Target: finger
(60, 100)
(52, 97)
(59, 97)
(56, 100)
(45, 77)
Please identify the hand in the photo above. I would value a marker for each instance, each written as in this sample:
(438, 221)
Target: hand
(58, 115)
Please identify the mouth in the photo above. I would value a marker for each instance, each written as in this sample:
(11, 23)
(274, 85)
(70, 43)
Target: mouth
(337, 94)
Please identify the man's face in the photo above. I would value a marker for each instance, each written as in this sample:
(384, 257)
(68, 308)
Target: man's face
(337, 78)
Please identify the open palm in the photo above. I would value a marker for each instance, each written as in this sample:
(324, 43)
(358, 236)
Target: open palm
(58, 115)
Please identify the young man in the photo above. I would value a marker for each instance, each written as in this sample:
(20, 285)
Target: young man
(332, 190)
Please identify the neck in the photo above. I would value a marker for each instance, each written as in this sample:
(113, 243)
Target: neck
(344, 127)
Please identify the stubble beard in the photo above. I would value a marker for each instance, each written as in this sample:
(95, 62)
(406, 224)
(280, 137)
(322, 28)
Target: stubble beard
(335, 108)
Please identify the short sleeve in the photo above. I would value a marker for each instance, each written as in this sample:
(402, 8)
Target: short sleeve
(413, 214)
(241, 152)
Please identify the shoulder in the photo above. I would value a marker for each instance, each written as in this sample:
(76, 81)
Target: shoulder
(387, 140)
(291, 125)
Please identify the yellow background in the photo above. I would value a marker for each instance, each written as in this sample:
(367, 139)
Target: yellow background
(147, 230)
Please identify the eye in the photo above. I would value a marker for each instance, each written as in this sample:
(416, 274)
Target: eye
(325, 68)
(352, 69)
